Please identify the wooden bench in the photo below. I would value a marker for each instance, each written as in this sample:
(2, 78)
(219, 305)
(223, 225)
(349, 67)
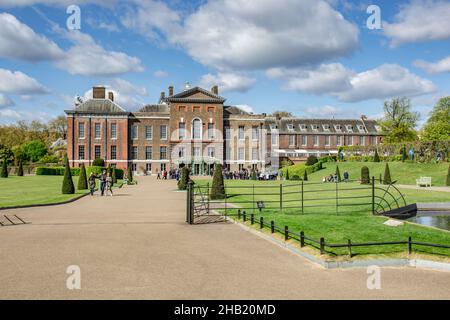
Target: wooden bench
(423, 181)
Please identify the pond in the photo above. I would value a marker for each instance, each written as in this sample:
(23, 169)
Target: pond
(437, 219)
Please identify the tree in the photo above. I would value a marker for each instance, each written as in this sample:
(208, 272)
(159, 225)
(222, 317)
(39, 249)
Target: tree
(305, 176)
(437, 126)
(34, 150)
(130, 175)
(338, 174)
(387, 175)
(184, 179)
(58, 127)
(365, 175)
(20, 169)
(4, 171)
(82, 179)
(282, 114)
(399, 122)
(67, 186)
(98, 162)
(376, 157)
(311, 160)
(218, 186)
(448, 176)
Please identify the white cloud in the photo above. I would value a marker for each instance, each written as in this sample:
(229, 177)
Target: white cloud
(385, 81)
(245, 107)
(160, 74)
(438, 67)
(60, 3)
(5, 101)
(227, 81)
(18, 41)
(420, 20)
(330, 112)
(10, 116)
(125, 87)
(17, 82)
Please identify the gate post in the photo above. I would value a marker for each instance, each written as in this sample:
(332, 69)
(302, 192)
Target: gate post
(373, 195)
(190, 203)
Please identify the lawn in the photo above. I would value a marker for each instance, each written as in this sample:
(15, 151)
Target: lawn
(321, 217)
(30, 190)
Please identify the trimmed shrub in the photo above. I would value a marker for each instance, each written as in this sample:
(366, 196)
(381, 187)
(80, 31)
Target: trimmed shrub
(130, 175)
(448, 176)
(4, 171)
(338, 174)
(20, 169)
(82, 180)
(218, 186)
(404, 155)
(49, 159)
(67, 186)
(98, 162)
(182, 183)
(295, 177)
(387, 175)
(365, 176)
(312, 159)
(305, 176)
(253, 176)
(376, 157)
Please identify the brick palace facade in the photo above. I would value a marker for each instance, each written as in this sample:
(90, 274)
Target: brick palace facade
(196, 129)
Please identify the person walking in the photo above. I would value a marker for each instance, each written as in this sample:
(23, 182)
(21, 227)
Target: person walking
(109, 184)
(346, 176)
(158, 175)
(103, 182)
(91, 182)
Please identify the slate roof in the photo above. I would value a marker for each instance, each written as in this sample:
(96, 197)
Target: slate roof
(98, 106)
(323, 126)
(232, 110)
(164, 108)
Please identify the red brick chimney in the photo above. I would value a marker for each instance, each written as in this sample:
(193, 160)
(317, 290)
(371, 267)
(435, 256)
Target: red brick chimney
(111, 96)
(170, 91)
(99, 92)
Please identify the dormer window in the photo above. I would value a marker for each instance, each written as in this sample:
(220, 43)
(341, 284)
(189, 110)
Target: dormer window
(361, 127)
(315, 127)
(338, 127)
(326, 127)
(303, 127)
(290, 127)
(350, 128)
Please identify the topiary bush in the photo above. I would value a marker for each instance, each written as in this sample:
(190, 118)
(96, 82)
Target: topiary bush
(82, 180)
(295, 177)
(184, 179)
(305, 176)
(67, 186)
(20, 169)
(448, 176)
(387, 175)
(4, 170)
(376, 157)
(312, 159)
(286, 176)
(98, 162)
(338, 174)
(404, 155)
(130, 175)
(218, 186)
(365, 176)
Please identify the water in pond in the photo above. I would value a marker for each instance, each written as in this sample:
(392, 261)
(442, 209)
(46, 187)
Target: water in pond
(437, 219)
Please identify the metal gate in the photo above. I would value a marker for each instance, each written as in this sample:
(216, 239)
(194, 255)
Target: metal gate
(199, 208)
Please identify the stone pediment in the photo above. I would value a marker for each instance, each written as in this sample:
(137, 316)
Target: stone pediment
(196, 94)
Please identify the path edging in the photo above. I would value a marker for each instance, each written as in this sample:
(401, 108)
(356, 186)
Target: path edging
(45, 204)
(414, 263)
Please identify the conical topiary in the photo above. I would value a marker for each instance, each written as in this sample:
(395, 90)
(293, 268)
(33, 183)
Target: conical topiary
(448, 176)
(218, 186)
(387, 175)
(338, 174)
(365, 176)
(20, 169)
(4, 171)
(253, 176)
(67, 186)
(82, 179)
(376, 157)
(305, 176)
(184, 179)
(287, 174)
(130, 175)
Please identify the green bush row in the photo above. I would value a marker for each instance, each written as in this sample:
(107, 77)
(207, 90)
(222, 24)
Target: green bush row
(59, 171)
(297, 171)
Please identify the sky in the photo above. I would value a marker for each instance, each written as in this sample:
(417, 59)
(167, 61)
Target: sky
(314, 58)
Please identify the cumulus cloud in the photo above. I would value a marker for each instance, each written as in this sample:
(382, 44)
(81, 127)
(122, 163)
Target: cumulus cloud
(125, 87)
(10, 116)
(160, 74)
(17, 82)
(383, 82)
(246, 108)
(330, 112)
(5, 101)
(227, 81)
(438, 67)
(419, 20)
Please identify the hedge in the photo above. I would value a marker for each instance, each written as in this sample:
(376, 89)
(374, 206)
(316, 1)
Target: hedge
(298, 170)
(59, 171)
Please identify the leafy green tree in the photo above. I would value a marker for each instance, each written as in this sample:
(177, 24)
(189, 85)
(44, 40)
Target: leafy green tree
(365, 175)
(67, 186)
(387, 175)
(376, 157)
(338, 174)
(35, 150)
(20, 169)
(82, 179)
(4, 171)
(184, 179)
(399, 121)
(437, 126)
(218, 186)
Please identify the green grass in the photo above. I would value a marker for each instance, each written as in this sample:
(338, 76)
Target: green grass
(402, 172)
(30, 190)
(321, 217)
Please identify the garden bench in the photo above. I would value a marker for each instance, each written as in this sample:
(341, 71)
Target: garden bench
(423, 181)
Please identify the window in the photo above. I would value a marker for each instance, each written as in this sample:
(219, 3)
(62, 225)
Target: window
(148, 167)
(327, 140)
(326, 127)
(361, 127)
(350, 128)
(374, 140)
(113, 152)
(315, 140)
(292, 140)
(211, 152)
(241, 133)
(197, 129)
(149, 132)
(97, 152)
(196, 109)
(210, 109)
(241, 154)
(97, 131)
(290, 127)
(362, 141)
(303, 127)
(197, 151)
(255, 131)
(113, 130)
(255, 154)
(134, 167)
(338, 141)
(81, 152)
(274, 139)
(134, 152)
(163, 132)
(315, 127)
(181, 130)
(148, 153)
(227, 133)
(210, 130)
(338, 127)
(350, 140)
(80, 130)
(182, 108)
(162, 153)
(134, 132)
(181, 152)
(303, 140)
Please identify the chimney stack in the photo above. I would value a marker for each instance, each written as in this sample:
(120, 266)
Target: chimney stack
(170, 91)
(111, 96)
(215, 90)
(99, 92)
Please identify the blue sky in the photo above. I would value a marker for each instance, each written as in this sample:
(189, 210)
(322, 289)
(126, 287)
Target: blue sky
(315, 58)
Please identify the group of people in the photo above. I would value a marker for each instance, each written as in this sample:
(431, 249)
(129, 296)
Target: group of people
(171, 174)
(335, 177)
(106, 183)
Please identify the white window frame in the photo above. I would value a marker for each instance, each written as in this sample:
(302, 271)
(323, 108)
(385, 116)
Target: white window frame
(241, 129)
(134, 132)
(200, 128)
(160, 131)
(99, 137)
(81, 124)
(147, 131)
(239, 154)
(114, 132)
